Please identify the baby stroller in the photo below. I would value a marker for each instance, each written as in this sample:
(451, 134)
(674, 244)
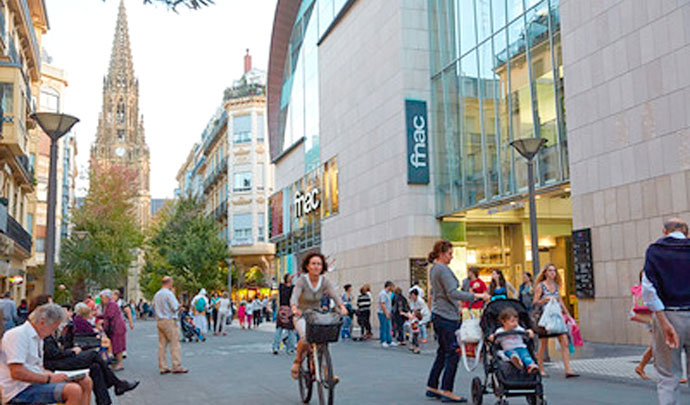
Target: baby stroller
(501, 377)
(189, 332)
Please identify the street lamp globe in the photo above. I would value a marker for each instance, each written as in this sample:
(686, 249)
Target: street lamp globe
(528, 147)
(53, 124)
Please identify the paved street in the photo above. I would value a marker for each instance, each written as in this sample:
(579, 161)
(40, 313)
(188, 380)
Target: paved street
(240, 369)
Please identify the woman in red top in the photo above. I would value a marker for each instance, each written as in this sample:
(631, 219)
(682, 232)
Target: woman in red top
(475, 285)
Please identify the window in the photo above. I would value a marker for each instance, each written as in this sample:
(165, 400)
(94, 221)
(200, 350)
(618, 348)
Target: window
(260, 127)
(242, 229)
(260, 225)
(30, 223)
(243, 181)
(120, 134)
(120, 113)
(242, 128)
(7, 95)
(50, 100)
(40, 244)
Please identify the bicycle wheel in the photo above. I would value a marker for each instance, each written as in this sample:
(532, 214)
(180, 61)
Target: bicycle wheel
(326, 387)
(306, 379)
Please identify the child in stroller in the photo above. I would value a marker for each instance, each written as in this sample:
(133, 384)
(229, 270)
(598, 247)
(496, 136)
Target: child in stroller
(189, 330)
(514, 347)
(506, 324)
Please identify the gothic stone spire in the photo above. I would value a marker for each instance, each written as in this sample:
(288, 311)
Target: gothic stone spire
(121, 65)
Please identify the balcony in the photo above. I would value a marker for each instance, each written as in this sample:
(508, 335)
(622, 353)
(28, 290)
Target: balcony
(16, 105)
(27, 35)
(216, 174)
(14, 230)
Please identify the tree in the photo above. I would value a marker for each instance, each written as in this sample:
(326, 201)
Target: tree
(173, 4)
(185, 243)
(105, 232)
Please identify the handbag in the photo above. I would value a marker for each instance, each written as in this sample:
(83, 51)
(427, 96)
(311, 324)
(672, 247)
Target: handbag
(639, 311)
(574, 331)
(86, 342)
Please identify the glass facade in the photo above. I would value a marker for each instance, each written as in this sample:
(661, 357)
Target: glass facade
(497, 75)
(299, 100)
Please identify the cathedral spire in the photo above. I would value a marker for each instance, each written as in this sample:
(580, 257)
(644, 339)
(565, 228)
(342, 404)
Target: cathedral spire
(121, 65)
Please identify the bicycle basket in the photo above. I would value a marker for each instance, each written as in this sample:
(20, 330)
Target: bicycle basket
(323, 327)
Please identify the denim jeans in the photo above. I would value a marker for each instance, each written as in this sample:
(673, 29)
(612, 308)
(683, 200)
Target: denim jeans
(291, 339)
(346, 331)
(522, 353)
(385, 329)
(447, 357)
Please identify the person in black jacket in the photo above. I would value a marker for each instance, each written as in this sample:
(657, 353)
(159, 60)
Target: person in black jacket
(57, 358)
(400, 308)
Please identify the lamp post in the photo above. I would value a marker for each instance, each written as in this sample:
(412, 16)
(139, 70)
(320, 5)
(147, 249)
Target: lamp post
(230, 262)
(528, 148)
(55, 126)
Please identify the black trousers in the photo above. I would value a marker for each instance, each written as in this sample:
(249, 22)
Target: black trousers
(102, 376)
(364, 321)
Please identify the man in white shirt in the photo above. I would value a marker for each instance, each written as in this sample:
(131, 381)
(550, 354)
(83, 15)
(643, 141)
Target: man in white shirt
(223, 313)
(22, 376)
(166, 306)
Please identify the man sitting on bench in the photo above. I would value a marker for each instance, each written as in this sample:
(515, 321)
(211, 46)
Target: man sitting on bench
(22, 376)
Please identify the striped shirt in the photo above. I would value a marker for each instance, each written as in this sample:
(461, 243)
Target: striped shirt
(364, 302)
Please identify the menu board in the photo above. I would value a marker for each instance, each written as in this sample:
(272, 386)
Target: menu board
(582, 259)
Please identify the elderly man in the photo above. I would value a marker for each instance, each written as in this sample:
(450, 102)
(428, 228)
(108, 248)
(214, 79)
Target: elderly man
(666, 291)
(165, 306)
(22, 376)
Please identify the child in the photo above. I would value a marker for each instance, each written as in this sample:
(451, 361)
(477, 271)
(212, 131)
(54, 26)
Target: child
(513, 345)
(415, 330)
(189, 323)
(241, 314)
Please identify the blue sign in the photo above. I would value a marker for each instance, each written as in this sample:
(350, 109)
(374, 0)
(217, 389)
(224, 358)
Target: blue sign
(417, 142)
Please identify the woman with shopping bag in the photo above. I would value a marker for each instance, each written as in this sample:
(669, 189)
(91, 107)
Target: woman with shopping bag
(548, 299)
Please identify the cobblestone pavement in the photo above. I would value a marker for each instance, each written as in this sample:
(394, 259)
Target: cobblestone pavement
(240, 369)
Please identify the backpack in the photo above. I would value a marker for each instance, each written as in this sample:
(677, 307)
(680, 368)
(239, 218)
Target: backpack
(200, 304)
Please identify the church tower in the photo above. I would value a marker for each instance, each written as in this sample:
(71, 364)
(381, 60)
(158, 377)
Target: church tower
(120, 135)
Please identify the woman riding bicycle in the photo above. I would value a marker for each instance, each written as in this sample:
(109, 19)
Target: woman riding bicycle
(310, 286)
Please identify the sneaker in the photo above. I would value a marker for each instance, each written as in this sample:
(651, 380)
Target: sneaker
(394, 344)
(384, 345)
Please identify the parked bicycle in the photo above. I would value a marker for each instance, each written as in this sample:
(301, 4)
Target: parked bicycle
(317, 367)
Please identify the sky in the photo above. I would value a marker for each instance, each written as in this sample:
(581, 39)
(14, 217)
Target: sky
(183, 62)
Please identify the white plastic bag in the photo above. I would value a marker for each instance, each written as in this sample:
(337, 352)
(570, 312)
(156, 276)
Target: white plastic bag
(470, 332)
(552, 319)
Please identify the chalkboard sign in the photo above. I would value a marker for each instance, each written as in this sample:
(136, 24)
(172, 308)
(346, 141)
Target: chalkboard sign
(582, 258)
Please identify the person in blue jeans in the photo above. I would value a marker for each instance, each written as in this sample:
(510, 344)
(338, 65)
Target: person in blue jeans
(445, 315)
(384, 313)
(514, 346)
(346, 331)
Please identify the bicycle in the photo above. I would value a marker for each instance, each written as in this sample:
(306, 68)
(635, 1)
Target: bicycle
(317, 366)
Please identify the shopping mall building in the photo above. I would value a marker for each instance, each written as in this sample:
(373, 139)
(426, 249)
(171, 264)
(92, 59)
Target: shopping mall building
(390, 125)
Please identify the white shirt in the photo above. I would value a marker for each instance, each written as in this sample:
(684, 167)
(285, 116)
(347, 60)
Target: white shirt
(224, 306)
(510, 342)
(649, 293)
(423, 308)
(20, 345)
(257, 305)
(165, 304)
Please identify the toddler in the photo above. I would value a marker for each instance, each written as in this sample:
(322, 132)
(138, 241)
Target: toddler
(513, 345)
(415, 330)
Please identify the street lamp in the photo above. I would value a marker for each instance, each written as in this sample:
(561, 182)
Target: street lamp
(230, 262)
(528, 148)
(55, 126)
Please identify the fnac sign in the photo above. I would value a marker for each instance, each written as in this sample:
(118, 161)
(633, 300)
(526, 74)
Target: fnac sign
(417, 142)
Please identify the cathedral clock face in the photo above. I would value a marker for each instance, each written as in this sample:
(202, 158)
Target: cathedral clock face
(120, 151)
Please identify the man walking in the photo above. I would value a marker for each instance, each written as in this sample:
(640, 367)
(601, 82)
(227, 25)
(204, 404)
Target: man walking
(166, 306)
(9, 311)
(666, 291)
(384, 313)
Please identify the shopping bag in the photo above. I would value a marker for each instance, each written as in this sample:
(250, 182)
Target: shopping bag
(552, 319)
(574, 331)
(470, 331)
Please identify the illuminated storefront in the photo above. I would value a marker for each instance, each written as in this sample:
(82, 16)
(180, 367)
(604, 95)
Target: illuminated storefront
(296, 213)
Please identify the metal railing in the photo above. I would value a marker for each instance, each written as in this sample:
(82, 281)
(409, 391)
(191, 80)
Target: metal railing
(17, 232)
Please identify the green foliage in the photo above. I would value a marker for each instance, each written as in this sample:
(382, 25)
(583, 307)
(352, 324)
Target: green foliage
(173, 4)
(105, 232)
(185, 243)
